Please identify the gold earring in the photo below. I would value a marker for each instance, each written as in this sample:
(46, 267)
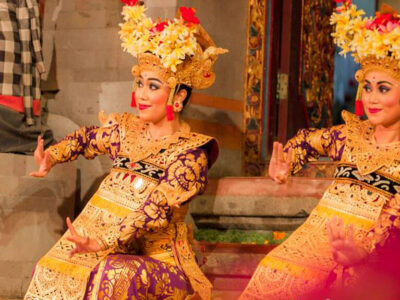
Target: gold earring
(178, 106)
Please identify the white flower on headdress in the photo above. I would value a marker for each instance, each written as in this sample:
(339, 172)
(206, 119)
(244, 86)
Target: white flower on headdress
(366, 37)
(172, 41)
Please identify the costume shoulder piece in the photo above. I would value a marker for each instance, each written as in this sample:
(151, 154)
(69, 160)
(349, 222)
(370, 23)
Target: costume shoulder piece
(354, 125)
(366, 153)
(137, 143)
(193, 140)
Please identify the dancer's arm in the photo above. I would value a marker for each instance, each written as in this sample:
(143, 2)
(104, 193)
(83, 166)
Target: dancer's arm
(87, 141)
(309, 144)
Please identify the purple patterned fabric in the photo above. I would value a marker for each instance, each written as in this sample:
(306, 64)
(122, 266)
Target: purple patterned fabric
(137, 277)
(309, 144)
(89, 142)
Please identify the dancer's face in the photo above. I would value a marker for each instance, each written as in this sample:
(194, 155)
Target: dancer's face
(381, 99)
(151, 97)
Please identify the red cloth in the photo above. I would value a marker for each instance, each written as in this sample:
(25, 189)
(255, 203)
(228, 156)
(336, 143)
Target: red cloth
(17, 104)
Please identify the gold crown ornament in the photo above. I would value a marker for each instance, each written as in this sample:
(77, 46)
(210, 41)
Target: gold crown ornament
(374, 42)
(179, 50)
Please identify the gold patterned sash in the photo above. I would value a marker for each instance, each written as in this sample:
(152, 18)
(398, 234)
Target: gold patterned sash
(200, 284)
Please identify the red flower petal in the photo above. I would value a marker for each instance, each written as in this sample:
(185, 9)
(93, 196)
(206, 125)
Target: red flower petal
(381, 22)
(347, 2)
(188, 14)
(159, 27)
(383, 19)
(130, 2)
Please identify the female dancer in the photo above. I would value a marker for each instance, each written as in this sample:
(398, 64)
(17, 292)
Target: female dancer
(368, 174)
(130, 241)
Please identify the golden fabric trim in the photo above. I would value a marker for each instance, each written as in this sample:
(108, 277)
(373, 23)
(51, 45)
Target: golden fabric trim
(328, 213)
(291, 268)
(164, 257)
(198, 280)
(102, 203)
(77, 271)
(367, 186)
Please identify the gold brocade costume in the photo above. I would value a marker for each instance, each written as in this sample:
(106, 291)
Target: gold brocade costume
(163, 174)
(362, 194)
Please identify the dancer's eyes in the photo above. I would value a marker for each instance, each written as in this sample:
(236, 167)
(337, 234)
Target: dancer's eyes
(367, 88)
(154, 86)
(384, 89)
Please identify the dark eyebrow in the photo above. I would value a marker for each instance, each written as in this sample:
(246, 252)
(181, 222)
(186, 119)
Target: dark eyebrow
(380, 82)
(155, 79)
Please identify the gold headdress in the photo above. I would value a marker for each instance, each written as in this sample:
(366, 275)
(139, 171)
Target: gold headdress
(179, 50)
(373, 42)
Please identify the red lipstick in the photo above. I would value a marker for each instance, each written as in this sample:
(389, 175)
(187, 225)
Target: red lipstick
(374, 110)
(143, 106)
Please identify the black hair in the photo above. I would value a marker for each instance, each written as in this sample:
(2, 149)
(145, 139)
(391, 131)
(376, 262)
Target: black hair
(188, 90)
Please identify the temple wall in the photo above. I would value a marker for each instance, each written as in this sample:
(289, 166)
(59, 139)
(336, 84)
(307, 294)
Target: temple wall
(32, 217)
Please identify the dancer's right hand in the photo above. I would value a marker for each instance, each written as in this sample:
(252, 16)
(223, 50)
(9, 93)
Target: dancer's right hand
(279, 165)
(82, 244)
(344, 249)
(42, 159)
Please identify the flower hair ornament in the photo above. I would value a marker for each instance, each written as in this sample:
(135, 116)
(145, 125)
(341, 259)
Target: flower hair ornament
(373, 42)
(180, 51)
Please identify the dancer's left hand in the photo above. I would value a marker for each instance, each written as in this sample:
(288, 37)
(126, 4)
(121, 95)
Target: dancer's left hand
(344, 250)
(82, 244)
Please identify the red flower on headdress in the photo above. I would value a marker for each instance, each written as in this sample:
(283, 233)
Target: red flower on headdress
(383, 22)
(130, 2)
(345, 2)
(159, 27)
(383, 19)
(188, 14)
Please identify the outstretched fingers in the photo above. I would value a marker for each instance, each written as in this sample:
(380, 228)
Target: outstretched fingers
(280, 153)
(275, 152)
(71, 227)
(73, 252)
(40, 146)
